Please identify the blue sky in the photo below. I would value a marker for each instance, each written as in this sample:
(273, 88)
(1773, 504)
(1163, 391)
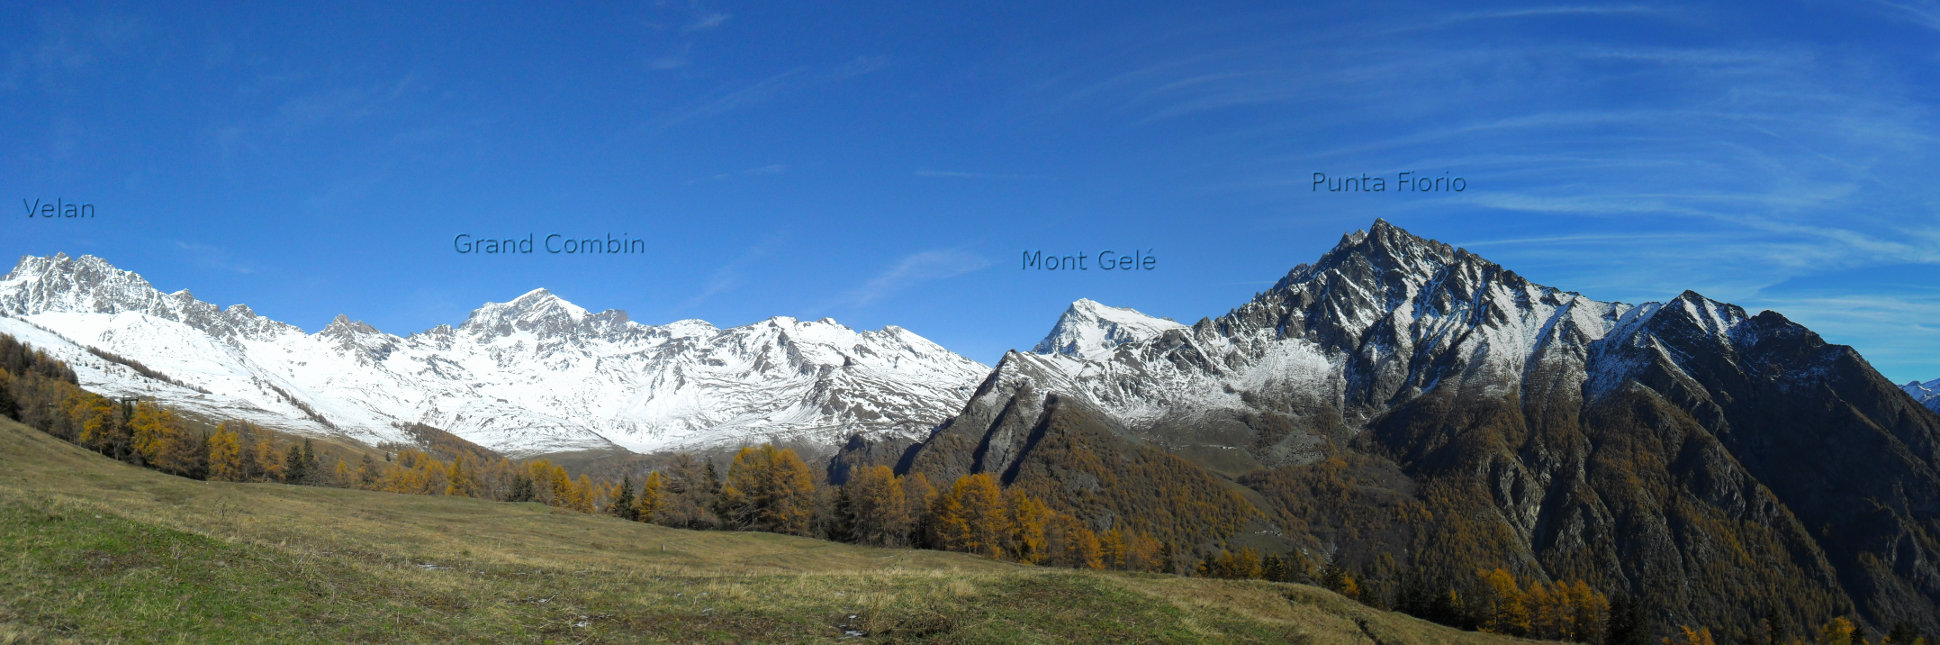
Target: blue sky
(888, 163)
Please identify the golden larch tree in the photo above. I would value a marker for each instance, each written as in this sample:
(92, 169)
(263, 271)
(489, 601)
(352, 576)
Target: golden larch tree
(768, 489)
(879, 508)
(226, 457)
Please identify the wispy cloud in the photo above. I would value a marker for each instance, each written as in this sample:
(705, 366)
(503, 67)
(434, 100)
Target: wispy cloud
(706, 21)
(67, 44)
(213, 257)
(733, 275)
(958, 174)
(730, 99)
(1452, 20)
(757, 171)
(312, 112)
(913, 270)
(1921, 12)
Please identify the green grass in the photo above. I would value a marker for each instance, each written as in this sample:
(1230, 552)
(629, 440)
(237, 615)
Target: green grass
(94, 551)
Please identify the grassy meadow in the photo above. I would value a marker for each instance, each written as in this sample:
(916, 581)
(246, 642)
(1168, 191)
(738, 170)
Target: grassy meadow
(95, 551)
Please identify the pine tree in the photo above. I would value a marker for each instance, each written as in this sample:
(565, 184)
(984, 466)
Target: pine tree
(1630, 623)
(687, 500)
(1902, 633)
(296, 469)
(622, 504)
(367, 473)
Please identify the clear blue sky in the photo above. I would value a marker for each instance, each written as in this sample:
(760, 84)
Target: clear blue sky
(888, 163)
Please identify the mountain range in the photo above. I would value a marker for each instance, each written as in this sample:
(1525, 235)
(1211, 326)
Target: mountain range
(1399, 408)
(1927, 393)
(535, 375)
(1411, 410)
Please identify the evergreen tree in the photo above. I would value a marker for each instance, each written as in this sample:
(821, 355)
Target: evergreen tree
(1902, 633)
(622, 504)
(295, 467)
(1630, 623)
(368, 473)
(521, 488)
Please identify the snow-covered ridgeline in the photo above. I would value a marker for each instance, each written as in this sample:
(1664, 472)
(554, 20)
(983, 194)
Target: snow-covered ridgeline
(534, 375)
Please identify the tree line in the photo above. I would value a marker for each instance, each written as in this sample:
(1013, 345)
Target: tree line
(772, 489)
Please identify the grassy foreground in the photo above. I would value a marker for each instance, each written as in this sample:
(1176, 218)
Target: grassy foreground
(95, 551)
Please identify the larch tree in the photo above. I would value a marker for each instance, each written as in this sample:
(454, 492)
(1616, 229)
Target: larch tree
(1500, 603)
(226, 458)
(879, 511)
(1072, 544)
(1026, 518)
(920, 497)
(583, 494)
(161, 442)
(458, 478)
(648, 501)
(768, 489)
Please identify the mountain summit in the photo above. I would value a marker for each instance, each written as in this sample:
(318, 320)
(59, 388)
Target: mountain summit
(1404, 406)
(534, 375)
(1928, 393)
(1091, 330)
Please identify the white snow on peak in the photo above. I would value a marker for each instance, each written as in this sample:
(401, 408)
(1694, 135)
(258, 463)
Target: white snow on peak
(534, 375)
(1091, 330)
(1928, 393)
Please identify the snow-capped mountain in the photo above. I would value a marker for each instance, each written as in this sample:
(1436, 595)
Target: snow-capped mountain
(1090, 330)
(1384, 318)
(1927, 393)
(534, 375)
(1403, 398)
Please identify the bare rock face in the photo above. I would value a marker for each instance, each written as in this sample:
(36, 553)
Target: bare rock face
(1402, 399)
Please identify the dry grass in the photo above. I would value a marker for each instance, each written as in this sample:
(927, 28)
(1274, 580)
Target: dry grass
(97, 551)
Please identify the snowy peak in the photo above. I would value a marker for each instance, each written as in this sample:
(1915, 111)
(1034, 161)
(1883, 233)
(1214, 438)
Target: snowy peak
(1091, 330)
(533, 375)
(342, 325)
(1928, 393)
(542, 313)
(87, 283)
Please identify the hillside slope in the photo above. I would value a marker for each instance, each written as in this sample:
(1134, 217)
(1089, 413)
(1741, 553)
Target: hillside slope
(1407, 409)
(92, 550)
